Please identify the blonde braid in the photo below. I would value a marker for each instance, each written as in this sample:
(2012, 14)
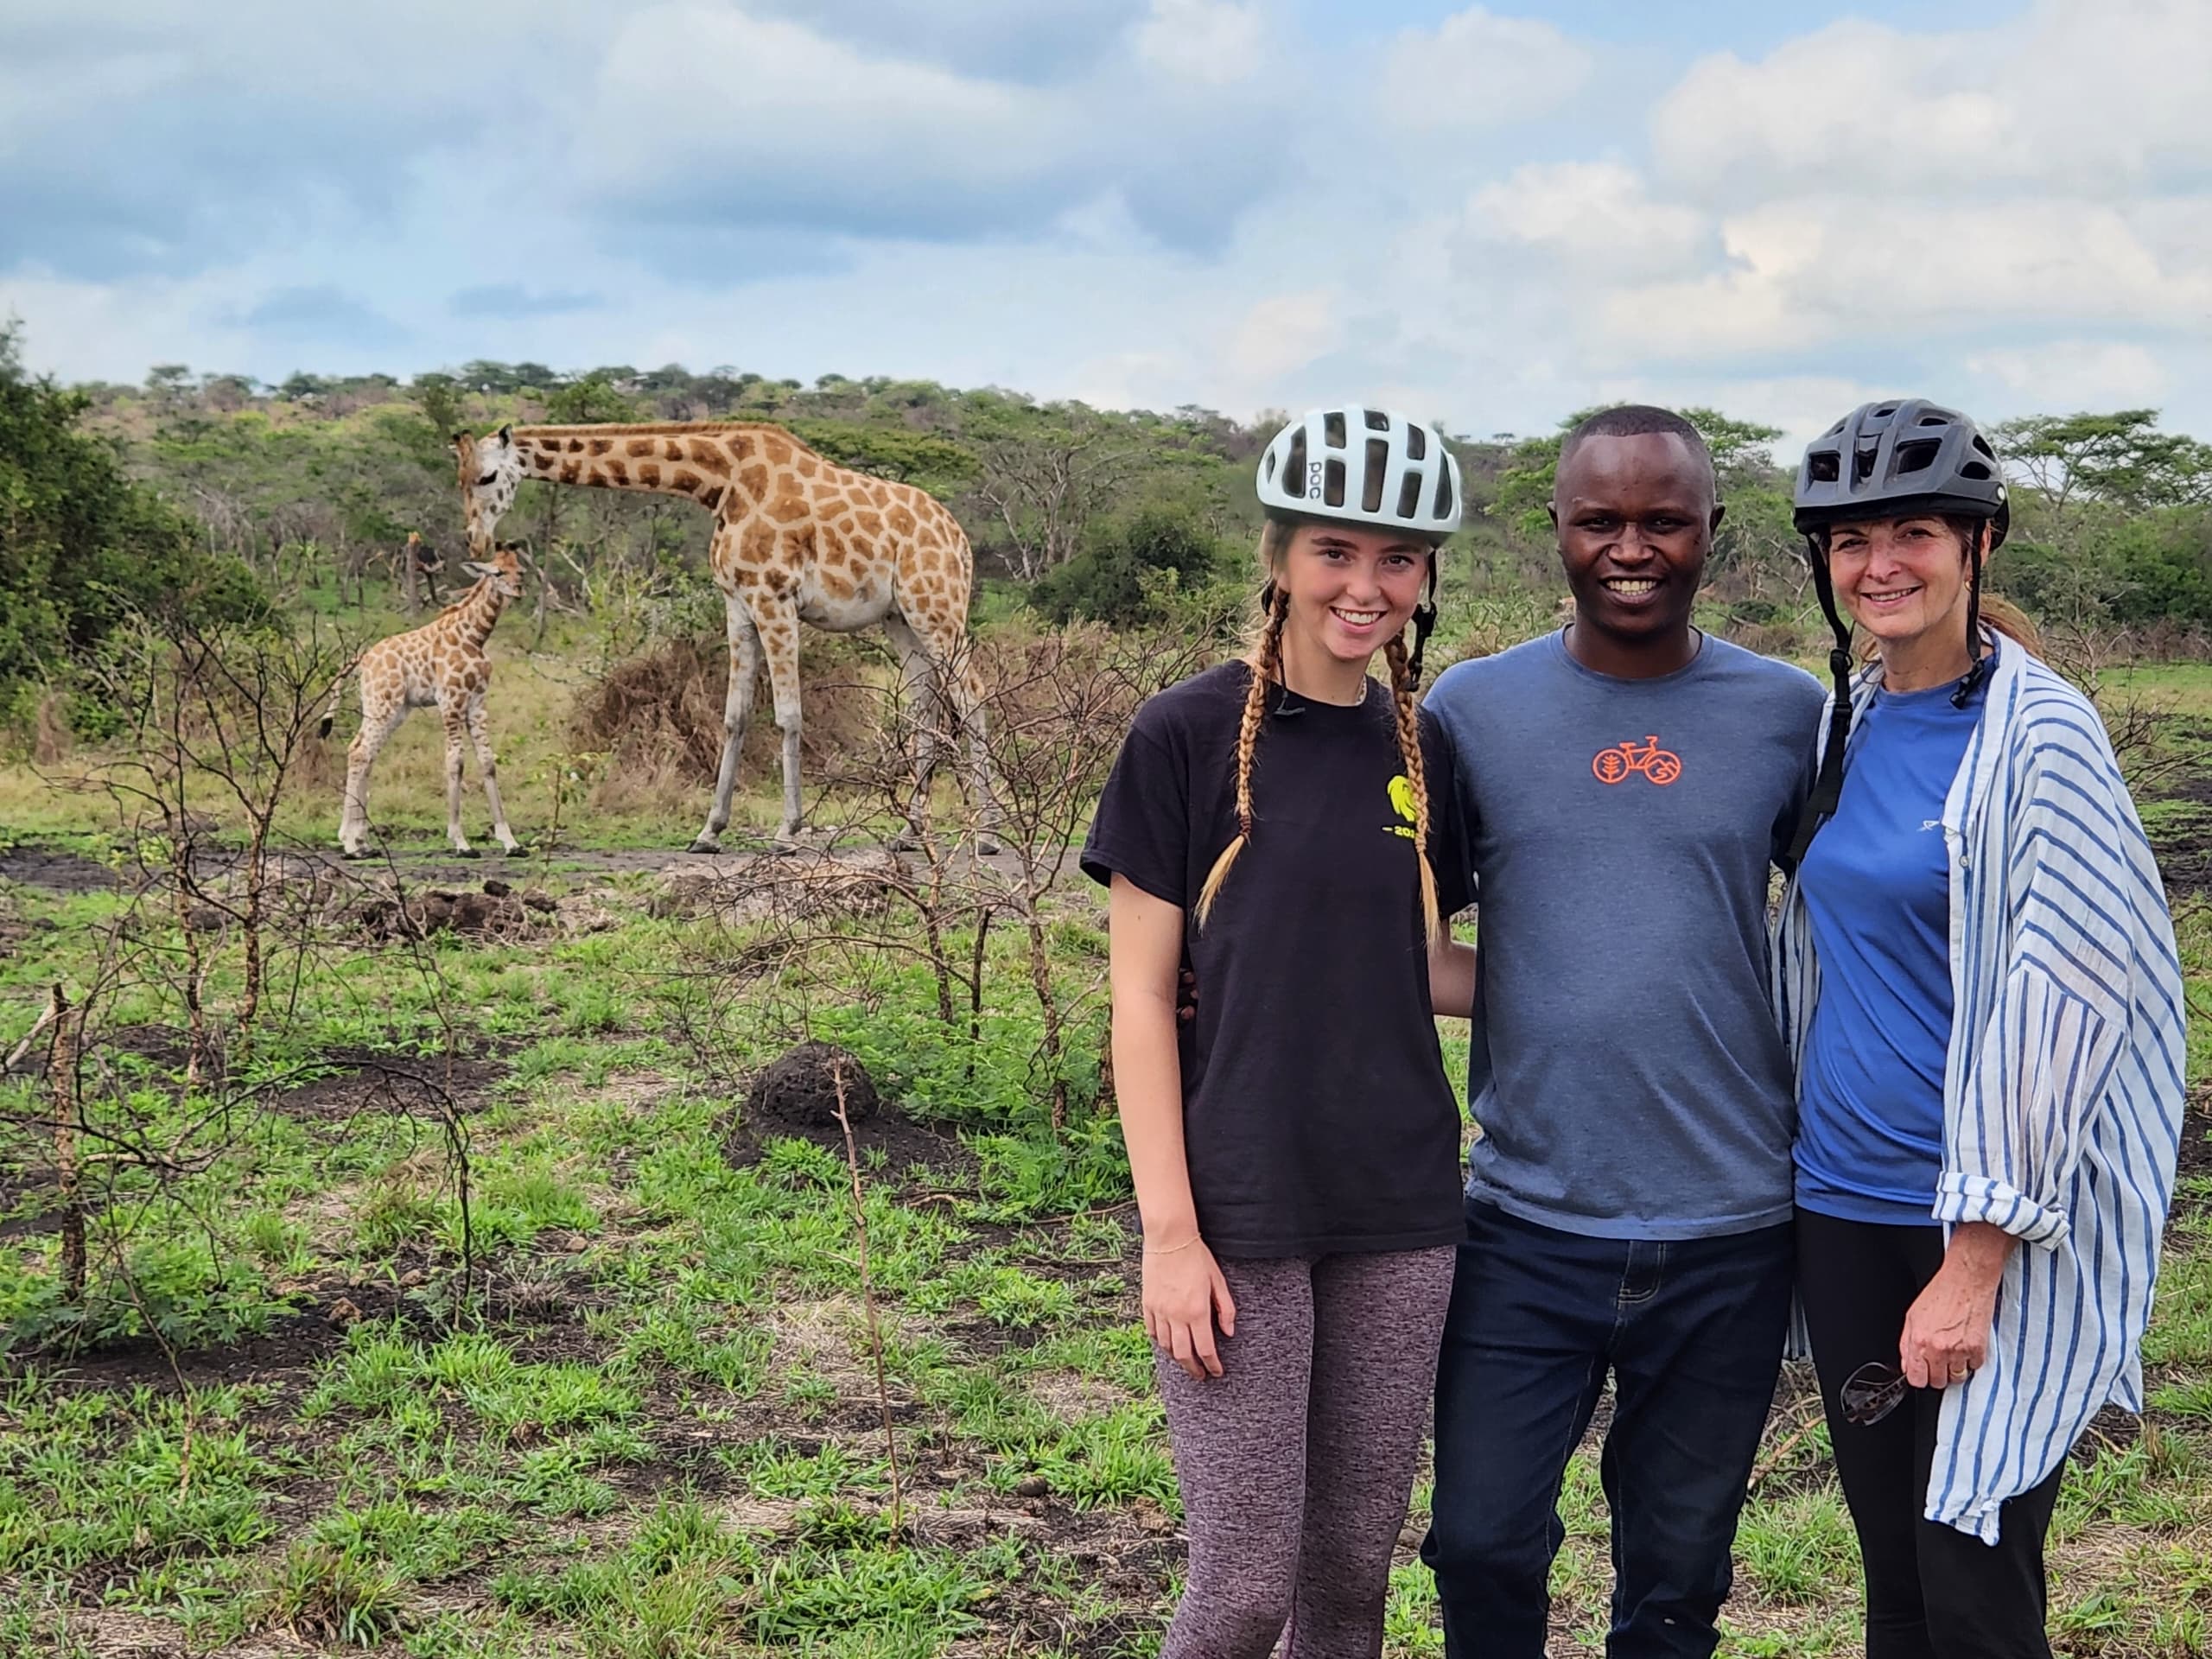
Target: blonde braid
(1266, 653)
(1401, 694)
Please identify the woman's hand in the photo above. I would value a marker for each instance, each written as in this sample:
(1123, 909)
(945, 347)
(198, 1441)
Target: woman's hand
(1947, 1329)
(1184, 1294)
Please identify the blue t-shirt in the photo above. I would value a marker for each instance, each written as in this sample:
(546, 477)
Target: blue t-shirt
(1625, 1064)
(1876, 883)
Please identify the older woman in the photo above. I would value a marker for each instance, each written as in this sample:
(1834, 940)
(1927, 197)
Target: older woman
(1978, 971)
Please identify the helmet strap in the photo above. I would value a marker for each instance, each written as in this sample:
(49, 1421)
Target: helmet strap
(1827, 787)
(1423, 621)
(1978, 665)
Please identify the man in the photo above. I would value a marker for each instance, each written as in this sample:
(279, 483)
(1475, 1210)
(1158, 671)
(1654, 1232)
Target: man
(1627, 784)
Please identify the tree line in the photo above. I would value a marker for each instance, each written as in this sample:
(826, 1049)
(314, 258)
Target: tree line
(217, 491)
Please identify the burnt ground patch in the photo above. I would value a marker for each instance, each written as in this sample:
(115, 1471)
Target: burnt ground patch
(2195, 1160)
(361, 1081)
(55, 870)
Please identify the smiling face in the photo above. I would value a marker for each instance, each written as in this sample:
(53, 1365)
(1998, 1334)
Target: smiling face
(1636, 516)
(1900, 578)
(490, 468)
(1351, 590)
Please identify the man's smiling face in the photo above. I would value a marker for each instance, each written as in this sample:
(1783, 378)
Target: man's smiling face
(1636, 516)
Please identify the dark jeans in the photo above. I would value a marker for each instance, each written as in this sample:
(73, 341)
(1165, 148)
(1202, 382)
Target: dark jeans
(1932, 1592)
(1692, 1330)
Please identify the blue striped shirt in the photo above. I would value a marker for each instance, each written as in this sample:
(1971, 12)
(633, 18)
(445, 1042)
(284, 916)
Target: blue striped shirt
(2062, 1082)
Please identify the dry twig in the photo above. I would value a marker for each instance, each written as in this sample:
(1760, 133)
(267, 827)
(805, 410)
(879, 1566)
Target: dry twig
(868, 1300)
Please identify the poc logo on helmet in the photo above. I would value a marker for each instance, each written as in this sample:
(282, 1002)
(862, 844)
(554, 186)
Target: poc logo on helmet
(1315, 473)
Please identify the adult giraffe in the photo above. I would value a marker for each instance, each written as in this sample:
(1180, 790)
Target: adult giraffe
(797, 539)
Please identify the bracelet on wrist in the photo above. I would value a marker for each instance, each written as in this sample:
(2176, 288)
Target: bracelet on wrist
(1171, 1250)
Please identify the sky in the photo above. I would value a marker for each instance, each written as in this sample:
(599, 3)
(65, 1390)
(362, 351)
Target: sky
(1486, 216)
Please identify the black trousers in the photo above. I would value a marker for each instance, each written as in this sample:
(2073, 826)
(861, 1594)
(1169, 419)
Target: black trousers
(1932, 1592)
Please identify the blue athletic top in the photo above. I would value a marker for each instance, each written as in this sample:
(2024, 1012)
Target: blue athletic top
(1876, 885)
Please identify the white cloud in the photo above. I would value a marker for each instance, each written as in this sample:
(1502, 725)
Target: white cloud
(1241, 203)
(2079, 95)
(1477, 69)
(1214, 42)
(1592, 213)
(2078, 373)
(1284, 332)
(781, 118)
(1809, 273)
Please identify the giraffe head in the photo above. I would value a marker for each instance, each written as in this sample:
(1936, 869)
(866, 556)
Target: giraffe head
(490, 468)
(504, 569)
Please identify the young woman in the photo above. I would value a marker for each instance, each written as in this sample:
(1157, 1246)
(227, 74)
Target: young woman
(1295, 1147)
(1979, 975)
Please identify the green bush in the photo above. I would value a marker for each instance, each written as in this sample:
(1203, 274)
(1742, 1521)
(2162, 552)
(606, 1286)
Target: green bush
(81, 546)
(1126, 569)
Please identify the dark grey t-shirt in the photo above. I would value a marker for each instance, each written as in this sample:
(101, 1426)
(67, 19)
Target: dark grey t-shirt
(1318, 1117)
(1626, 1068)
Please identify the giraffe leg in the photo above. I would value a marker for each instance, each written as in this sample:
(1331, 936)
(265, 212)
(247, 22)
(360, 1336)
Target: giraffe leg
(780, 647)
(777, 619)
(737, 709)
(961, 690)
(457, 737)
(967, 698)
(925, 708)
(480, 734)
(378, 721)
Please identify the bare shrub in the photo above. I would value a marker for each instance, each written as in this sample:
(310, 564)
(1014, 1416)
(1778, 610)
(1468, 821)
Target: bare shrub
(658, 716)
(1498, 621)
(1768, 639)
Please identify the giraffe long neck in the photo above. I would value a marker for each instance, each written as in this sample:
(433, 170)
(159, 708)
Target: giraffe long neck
(705, 463)
(478, 611)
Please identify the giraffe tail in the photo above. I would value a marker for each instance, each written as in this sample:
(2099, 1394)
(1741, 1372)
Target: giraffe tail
(330, 714)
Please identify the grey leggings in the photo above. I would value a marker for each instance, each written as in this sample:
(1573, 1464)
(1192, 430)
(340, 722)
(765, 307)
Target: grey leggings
(1296, 1462)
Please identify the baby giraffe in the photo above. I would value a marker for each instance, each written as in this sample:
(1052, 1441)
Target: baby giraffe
(441, 665)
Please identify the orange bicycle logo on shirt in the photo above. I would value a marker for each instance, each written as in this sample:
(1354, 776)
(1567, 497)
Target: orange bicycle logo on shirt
(1660, 765)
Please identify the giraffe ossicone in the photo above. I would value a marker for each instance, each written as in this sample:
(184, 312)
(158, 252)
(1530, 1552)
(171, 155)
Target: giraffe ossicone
(797, 539)
(442, 665)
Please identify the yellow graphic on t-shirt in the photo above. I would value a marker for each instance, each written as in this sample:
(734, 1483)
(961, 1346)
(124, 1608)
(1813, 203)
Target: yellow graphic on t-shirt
(1402, 802)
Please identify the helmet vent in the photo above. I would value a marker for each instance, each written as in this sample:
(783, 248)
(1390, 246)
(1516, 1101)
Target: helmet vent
(1934, 420)
(1824, 466)
(1973, 470)
(1918, 455)
(1862, 465)
(1365, 466)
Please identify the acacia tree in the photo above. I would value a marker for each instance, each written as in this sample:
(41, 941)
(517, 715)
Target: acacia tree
(1045, 484)
(2120, 458)
(2099, 489)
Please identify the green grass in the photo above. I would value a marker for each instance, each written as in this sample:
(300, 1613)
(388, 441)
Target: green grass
(654, 1427)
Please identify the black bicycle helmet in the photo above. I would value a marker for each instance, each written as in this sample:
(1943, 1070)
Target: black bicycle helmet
(1897, 458)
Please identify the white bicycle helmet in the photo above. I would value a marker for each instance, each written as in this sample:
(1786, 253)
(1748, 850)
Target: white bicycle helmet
(1363, 467)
